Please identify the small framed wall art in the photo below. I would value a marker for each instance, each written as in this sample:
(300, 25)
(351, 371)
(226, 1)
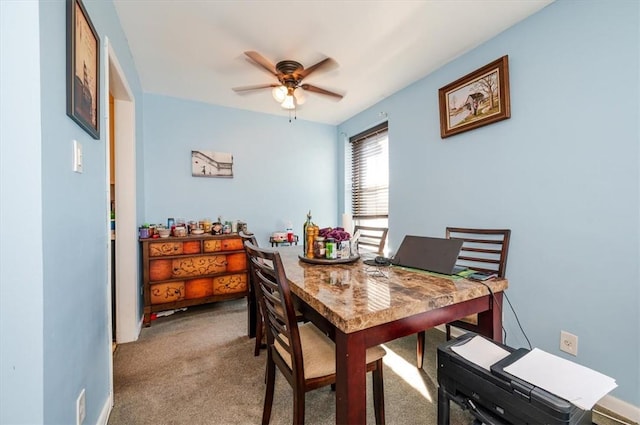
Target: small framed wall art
(83, 69)
(475, 100)
(211, 164)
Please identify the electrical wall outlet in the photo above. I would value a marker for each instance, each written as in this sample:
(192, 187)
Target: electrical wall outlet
(568, 343)
(81, 408)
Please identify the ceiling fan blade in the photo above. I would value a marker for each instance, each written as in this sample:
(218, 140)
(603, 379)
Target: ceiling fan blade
(262, 61)
(325, 63)
(256, 87)
(315, 89)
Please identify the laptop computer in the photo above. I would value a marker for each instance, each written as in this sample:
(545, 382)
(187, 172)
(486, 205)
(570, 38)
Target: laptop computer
(426, 253)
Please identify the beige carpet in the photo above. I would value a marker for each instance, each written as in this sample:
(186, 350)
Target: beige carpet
(198, 367)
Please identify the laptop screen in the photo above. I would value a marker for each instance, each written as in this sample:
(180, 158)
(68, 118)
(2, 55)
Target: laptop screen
(426, 253)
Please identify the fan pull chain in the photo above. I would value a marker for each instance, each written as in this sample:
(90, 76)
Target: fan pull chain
(295, 115)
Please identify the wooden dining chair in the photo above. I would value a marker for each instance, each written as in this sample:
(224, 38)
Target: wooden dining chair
(482, 250)
(253, 300)
(304, 355)
(372, 239)
(258, 319)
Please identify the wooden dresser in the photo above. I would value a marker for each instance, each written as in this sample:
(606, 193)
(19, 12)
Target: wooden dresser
(185, 271)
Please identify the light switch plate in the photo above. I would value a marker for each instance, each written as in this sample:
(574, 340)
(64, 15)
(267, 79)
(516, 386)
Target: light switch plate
(77, 156)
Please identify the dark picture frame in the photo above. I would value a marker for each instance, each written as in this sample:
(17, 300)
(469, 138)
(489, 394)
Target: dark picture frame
(83, 69)
(475, 100)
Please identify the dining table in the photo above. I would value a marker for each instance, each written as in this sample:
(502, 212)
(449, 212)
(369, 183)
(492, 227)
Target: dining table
(360, 305)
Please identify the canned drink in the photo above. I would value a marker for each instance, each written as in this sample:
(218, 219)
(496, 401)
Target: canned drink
(330, 249)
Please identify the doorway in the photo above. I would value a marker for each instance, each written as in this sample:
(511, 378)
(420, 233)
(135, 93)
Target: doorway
(122, 260)
(112, 218)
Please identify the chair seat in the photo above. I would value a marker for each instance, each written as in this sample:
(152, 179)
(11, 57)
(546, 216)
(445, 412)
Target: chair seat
(319, 352)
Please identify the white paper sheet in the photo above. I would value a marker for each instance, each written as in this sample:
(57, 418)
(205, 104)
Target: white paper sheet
(480, 351)
(573, 382)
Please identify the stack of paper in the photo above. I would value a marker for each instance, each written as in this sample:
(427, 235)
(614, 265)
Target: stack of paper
(578, 384)
(480, 351)
(575, 383)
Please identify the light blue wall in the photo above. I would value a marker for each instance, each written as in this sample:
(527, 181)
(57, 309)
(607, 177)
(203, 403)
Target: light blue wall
(562, 173)
(21, 315)
(75, 210)
(55, 342)
(281, 169)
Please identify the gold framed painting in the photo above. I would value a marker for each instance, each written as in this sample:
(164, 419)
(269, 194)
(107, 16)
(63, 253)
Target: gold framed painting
(475, 100)
(83, 69)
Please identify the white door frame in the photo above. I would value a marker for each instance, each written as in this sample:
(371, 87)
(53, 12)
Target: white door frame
(128, 317)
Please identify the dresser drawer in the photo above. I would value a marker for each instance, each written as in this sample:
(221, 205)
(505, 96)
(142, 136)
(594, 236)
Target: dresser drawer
(167, 292)
(159, 249)
(213, 245)
(237, 262)
(160, 270)
(230, 284)
(198, 266)
(228, 244)
(198, 288)
(232, 244)
(191, 247)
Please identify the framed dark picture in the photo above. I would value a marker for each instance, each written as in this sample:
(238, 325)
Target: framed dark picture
(475, 100)
(83, 69)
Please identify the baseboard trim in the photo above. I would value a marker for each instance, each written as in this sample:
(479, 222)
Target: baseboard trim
(103, 419)
(626, 411)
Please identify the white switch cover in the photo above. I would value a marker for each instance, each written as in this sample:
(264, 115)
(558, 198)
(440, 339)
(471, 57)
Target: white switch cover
(77, 156)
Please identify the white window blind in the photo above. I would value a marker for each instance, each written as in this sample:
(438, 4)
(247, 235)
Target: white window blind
(370, 173)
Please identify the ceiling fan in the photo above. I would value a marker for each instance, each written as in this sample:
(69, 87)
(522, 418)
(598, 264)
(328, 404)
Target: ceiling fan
(288, 90)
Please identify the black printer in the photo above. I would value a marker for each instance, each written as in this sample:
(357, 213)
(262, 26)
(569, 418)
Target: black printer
(496, 397)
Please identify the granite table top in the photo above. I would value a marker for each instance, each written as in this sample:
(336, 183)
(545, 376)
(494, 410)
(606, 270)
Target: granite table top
(356, 296)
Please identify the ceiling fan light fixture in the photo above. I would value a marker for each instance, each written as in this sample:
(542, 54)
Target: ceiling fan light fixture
(279, 93)
(288, 102)
(289, 92)
(298, 93)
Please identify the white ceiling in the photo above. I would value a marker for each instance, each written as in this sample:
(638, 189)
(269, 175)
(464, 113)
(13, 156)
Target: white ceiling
(193, 49)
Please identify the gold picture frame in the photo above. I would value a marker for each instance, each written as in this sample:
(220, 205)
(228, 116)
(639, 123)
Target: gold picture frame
(83, 69)
(475, 100)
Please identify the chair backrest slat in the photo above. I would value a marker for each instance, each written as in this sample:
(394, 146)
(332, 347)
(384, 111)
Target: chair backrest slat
(372, 238)
(482, 249)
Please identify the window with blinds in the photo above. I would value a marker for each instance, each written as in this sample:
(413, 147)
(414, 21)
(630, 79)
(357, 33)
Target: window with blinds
(370, 174)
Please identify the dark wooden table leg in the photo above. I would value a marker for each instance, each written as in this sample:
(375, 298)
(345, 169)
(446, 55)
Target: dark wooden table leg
(420, 349)
(490, 321)
(351, 378)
